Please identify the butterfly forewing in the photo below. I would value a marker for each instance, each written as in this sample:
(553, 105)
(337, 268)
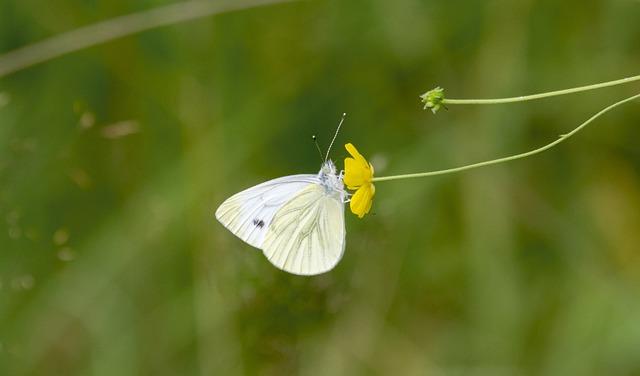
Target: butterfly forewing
(307, 235)
(248, 214)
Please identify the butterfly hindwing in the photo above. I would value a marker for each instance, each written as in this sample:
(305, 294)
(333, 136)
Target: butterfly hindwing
(248, 214)
(307, 234)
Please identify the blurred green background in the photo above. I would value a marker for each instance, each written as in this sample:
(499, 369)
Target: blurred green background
(114, 158)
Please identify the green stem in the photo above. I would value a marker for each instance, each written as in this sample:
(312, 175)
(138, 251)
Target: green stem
(542, 95)
(510, 158)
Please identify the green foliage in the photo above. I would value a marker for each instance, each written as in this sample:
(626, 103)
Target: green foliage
(114, 158)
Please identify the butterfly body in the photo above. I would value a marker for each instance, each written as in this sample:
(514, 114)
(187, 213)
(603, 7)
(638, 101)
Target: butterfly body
(297, 220)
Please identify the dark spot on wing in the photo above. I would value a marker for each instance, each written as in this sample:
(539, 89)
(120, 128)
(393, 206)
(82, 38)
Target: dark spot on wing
(258, 223)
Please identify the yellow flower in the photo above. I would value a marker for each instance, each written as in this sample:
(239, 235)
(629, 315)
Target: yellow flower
(357, 176)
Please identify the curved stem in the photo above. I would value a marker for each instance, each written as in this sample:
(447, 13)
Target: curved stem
(542, 95)
(118, 27)
(513, 157)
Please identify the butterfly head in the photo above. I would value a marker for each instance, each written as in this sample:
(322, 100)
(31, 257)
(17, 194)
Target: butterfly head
(330, 179)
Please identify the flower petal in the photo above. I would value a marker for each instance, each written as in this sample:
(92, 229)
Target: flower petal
(357, 171)
(361, 201)
(355, 154)
(354, 174)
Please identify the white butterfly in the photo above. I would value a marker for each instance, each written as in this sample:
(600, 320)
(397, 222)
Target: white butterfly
(297, 220)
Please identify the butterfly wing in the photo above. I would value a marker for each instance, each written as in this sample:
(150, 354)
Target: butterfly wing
(248, 214)
(307, 235)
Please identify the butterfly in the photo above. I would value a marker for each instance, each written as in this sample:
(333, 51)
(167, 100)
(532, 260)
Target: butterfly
(297, 221)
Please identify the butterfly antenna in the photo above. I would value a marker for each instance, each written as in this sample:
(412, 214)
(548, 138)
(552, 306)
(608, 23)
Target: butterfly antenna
(334, 136)
(315, 141)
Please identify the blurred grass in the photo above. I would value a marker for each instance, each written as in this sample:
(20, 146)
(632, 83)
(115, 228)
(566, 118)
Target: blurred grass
(526, 268)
